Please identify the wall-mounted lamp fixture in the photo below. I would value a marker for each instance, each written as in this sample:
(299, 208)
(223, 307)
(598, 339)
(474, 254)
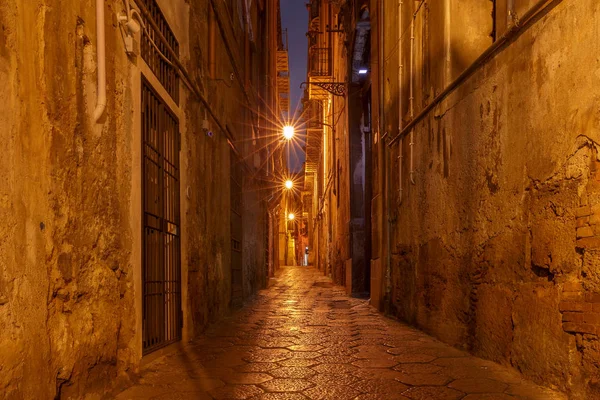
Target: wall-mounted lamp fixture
(288, 132)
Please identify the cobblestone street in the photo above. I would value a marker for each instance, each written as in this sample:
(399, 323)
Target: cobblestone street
(303, 338)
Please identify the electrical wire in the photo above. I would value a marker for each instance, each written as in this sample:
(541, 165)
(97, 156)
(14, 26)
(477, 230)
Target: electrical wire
(131, 13)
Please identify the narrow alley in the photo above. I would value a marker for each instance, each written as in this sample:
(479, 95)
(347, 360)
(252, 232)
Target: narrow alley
(300, 199)
(304, 338)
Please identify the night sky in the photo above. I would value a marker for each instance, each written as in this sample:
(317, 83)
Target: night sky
(294, 17)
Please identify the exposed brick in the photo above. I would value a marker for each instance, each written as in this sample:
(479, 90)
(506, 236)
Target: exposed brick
(584, 221)
(594, 219)
(589, 243)
(596, 307)
(583, 211)
(591, 318)
(577, 327)
(572, 286)
(574, 306)
(585, 232)
(572, 317)
(583, 200)
(592, 297)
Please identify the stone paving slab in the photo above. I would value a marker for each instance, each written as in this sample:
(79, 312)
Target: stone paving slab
(304, 339)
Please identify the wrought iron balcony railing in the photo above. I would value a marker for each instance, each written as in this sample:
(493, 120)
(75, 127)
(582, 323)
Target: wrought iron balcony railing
(315, 9)
(319, 61)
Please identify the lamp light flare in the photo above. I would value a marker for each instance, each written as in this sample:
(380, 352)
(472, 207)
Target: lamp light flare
(291, 216)
(288, 132)
(289, 184)
(363, 71)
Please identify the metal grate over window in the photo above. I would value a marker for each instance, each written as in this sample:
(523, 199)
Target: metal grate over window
(164, 70)
(319, 61)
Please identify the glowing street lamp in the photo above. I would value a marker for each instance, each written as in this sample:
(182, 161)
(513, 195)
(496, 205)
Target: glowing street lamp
(289, 184)
(291, 216)
(288, 132)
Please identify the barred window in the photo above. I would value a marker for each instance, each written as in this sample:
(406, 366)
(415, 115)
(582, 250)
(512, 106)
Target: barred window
(152, 47)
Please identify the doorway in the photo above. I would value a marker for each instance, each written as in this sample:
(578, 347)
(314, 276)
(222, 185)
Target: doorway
(161, 254)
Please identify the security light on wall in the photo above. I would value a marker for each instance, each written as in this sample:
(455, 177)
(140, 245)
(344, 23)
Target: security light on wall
(130, 24)
(363, 71)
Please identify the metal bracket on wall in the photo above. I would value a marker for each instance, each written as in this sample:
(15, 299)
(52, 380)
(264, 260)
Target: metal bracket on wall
(335, 88)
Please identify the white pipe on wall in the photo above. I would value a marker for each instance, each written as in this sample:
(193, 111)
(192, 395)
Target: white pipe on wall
(400, 73)
(411, 98)
(383, 160)
(101, 56)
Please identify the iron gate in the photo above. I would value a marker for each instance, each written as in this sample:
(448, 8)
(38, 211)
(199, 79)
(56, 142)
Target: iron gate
(161, 271)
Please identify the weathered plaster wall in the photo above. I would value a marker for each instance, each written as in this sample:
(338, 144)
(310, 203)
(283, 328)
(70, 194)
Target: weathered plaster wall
(495, 245)
(337, 158)
(67, 313)
(209, 167)
(70, 195)
(255, 236)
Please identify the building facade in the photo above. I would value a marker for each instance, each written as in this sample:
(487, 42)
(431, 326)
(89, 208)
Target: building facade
(481, 170)
(134, 195)
(338, 160)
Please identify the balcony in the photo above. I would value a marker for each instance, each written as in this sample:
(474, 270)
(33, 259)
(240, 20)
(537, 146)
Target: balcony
(282, 61)
(315, 10)
(314, 135)
(319, 71)
(319, 62)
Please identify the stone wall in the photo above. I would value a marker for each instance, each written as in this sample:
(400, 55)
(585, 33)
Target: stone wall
(70, 198)
(495, 246)
(65, 271)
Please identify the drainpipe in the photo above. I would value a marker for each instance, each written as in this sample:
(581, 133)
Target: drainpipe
(211, 42)
(412, 98)
(491, 51)
(447, 43)
(400, 73)
(384, 160)
(101, 50)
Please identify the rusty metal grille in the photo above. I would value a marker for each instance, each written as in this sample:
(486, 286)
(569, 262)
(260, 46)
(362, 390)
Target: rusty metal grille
(163, 69)
(319, 60)
(161, 264)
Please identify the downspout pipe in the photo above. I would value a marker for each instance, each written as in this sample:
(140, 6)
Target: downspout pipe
(101, 56)
(412, 96)
(480, 61)
(400, 121)
(211, 43)
(384, 162)
(411, 99)
(388, 244)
